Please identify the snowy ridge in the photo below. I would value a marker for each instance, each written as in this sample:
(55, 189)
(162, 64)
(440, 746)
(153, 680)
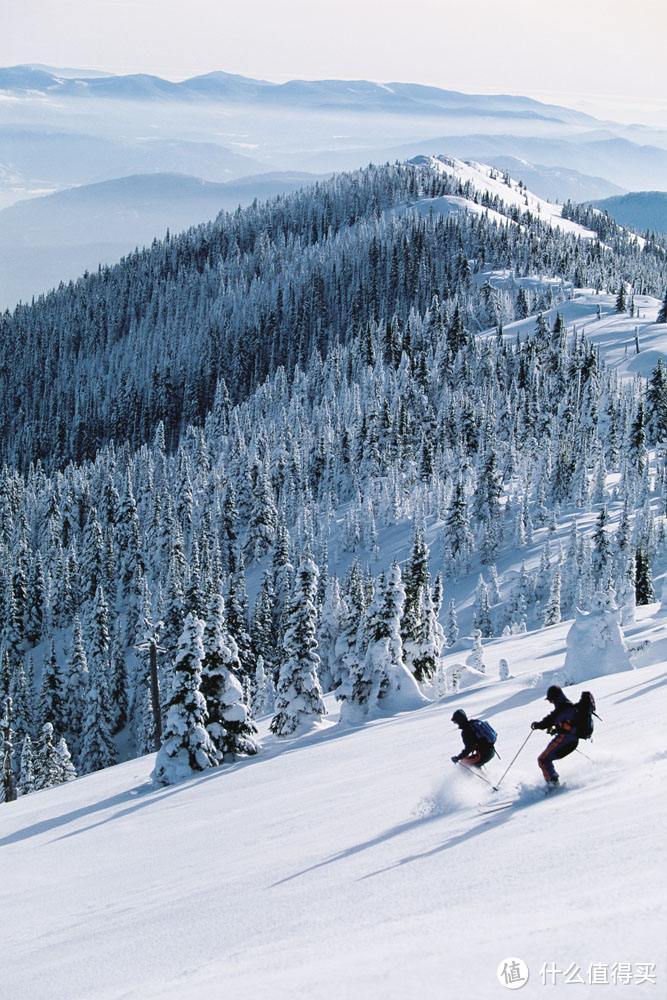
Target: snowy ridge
(490, 181)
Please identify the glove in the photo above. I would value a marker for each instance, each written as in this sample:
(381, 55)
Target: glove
(455, 760)
(535, 725)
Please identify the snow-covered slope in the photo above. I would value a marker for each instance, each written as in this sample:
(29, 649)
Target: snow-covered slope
(612, 333)
(354, 863)
(488, 180)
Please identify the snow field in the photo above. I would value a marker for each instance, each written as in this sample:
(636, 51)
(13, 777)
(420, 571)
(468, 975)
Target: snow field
(316, 868)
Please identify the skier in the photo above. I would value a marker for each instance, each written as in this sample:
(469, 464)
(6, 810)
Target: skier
(478, 740)
(561, 723)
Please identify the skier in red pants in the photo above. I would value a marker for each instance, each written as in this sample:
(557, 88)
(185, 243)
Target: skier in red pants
(561, 724)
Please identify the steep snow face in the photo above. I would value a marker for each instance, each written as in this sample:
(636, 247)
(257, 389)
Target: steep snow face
(491, 181)
(354, 863)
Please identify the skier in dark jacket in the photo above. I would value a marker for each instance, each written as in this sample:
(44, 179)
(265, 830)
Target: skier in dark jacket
(476, 750)
(561, 724)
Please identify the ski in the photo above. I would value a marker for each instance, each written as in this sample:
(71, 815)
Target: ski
(496, 807)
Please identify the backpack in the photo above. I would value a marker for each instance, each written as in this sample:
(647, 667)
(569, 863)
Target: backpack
(583, 716)
(484, 731)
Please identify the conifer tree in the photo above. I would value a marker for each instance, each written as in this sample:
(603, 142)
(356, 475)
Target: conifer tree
(656, 404)
(644, 591)
(429, 642)
(662, 313)
(552, 614)
(229, 724)
(263, 518)
(457, 537)
(186, 744)
(76, 684)
(239, 628)
(382, 679)
(47, 762)
(601, 548)
(264, 698)
(482, 619)
(51, 707)
(118, 683)
(298, 694)
(328, 633)
(98, 749)
(67, 769)
(8, 764)
(26, 782)
(23, 708)
(451, 625)
(262, 633)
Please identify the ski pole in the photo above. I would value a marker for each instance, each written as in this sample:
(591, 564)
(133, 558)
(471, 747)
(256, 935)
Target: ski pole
(513, 759)
(472, 770)
(583, 754)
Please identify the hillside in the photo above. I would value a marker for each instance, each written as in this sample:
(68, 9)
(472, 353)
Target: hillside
(262, 289)
(643, 211)
(354, 861)
(55, 238)
(343, 460)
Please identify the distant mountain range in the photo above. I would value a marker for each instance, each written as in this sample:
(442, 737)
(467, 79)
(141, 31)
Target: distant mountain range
(641, 210)
(396, 98)
(64, 127)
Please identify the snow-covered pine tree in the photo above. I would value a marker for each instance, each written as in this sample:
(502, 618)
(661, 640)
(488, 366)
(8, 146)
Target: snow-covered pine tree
(601, 549)
(98, 749)
(118, 682)
(299, 700)
(552, 613)
(262, 633)
(67, 769)
(229, 724)
(75, 685)
(482, 620)
(264, 699)
(644, 592)
(458, 542)
(51, 707)
(662, 312)
(451, 624)
(26, 782)
(8, 788)
(23, 710)
(656, 404)
(263, 517)
(328, 634)
(48, 767)
(186, 744)
(382, 680)
(430, 640)
(236, 607)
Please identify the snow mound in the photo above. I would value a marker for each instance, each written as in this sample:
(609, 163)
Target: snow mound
(595, 642)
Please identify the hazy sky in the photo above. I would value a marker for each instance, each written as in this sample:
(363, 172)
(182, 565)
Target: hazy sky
(607, 52)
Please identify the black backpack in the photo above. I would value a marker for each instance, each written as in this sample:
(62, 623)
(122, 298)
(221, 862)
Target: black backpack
(583, 717)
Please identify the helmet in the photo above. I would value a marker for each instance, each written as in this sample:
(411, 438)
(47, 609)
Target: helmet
(459, 717)
(554, 693)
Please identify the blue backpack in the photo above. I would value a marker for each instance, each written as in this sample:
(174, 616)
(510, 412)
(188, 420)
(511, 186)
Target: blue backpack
(484, 731)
